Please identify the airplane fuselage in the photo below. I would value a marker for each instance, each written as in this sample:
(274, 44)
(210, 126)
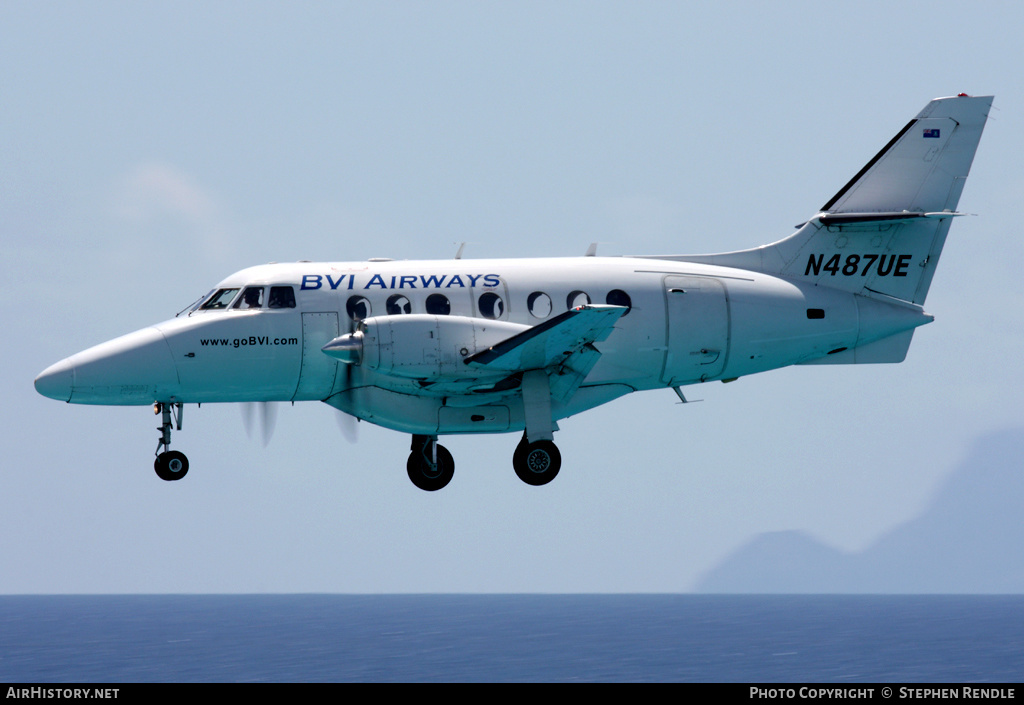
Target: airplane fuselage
(686, 323)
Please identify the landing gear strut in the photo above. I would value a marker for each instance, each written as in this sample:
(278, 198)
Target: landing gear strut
(171, 464)
(536, 463)
(430, 465)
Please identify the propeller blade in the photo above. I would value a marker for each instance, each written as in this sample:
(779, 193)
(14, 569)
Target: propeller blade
(349, 426)
(268, 420)
(248, 409)
(267, 412)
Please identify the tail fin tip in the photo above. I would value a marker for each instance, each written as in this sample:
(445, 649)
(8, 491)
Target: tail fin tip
(922, 168)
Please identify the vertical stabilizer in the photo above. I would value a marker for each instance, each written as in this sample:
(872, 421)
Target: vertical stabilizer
(883, 232)
(924, 167)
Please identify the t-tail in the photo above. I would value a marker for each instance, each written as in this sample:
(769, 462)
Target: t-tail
(881, 235)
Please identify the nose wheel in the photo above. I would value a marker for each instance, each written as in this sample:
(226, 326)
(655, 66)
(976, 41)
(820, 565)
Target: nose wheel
(170, 464)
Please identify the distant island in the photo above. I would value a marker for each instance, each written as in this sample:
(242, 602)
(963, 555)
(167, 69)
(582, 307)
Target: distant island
(969, 540)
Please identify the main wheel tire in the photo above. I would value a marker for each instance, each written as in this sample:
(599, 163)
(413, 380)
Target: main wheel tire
(171, 466)
(428, 476)
(537, 463)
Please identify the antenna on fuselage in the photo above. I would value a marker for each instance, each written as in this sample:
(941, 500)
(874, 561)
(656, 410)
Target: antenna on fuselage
(682, 399)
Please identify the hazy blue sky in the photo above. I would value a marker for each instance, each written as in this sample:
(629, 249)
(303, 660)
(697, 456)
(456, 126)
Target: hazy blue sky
(148, 150)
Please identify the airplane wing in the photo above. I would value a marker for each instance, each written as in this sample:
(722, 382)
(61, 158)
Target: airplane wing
(563, 347)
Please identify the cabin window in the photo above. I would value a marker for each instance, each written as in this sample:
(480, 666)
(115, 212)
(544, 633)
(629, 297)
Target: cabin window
(577, 298)
(539, 304)
(491, 305)
(617, 297)
(438, 305)
(282, 297)
(219, 300)
(398, 304)
(358, 308)
(251, 298)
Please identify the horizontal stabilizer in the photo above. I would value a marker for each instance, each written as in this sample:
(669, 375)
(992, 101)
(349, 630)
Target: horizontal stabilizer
(887, 350)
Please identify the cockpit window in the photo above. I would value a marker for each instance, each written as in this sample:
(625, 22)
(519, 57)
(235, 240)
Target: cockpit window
(282, 297)
(194, 305)
(219, 300)
(251, 298)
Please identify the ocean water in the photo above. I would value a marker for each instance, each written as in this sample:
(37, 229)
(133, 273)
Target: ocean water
(288, 638)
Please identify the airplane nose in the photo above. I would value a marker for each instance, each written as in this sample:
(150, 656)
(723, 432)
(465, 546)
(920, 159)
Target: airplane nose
(56, 380)
(134, 369)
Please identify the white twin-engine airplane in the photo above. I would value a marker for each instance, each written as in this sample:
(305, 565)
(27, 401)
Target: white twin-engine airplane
(497, 346)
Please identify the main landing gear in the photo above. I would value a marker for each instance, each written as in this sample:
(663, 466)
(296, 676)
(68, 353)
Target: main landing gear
(431, 466)
(536, 463)
(171, 464)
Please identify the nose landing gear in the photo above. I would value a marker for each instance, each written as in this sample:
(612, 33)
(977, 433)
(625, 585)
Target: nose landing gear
(170, 465)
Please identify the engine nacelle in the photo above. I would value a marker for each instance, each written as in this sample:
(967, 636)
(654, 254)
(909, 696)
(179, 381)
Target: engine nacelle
(420, 346)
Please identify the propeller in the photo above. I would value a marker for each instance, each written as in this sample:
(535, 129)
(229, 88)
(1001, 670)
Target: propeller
(267, 413)
(349, 424)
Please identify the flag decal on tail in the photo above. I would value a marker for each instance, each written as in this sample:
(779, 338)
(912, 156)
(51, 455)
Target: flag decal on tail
(931, 132)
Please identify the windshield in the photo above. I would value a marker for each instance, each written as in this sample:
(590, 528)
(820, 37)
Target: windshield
(252, 298)
(194, 305)
(219, 300)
